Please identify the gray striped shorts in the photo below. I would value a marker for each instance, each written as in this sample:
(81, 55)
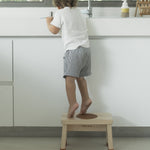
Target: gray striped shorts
(77, 63)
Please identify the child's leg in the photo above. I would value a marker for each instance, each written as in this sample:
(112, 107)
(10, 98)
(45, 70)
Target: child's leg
(86, 101)
(71, 94)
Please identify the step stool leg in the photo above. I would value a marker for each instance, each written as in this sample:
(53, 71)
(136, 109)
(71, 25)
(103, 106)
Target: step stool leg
(106, 139)
(109, 137)
(64, 137)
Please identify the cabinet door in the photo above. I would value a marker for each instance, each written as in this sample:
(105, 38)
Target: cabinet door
(120, 81)
(6, 111)
(5, 60)
(38, 84)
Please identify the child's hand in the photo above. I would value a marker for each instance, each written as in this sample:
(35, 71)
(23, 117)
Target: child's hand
(49, 20)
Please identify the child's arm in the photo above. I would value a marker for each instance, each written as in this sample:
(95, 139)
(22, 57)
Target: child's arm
(51, 28)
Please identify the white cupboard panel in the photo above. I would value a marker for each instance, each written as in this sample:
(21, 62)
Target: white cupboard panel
(5, 60)
(6, 109)
(39, 86)
(120, 81)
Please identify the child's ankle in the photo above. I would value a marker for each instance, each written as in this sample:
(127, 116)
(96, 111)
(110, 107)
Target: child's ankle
(73, 104)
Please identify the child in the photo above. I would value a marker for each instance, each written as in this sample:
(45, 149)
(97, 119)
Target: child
(77, 58)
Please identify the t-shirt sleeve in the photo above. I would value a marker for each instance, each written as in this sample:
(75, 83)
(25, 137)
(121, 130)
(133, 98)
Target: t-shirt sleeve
(57, 20)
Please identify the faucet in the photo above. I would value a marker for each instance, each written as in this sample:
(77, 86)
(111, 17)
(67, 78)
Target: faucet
(88, 11)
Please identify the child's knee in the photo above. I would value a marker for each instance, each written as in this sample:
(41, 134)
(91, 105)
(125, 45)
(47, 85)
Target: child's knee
(70, 79)
(80, 79)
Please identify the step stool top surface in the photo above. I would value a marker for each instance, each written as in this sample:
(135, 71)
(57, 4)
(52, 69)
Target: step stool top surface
(102, 118)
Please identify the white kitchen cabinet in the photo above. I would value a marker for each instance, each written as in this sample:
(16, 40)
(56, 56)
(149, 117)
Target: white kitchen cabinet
(39, 90)
(6, 102)
(119, 83)
(6, 109)
(5, 60)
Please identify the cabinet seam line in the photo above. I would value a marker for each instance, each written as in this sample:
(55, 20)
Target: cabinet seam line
(13, 119)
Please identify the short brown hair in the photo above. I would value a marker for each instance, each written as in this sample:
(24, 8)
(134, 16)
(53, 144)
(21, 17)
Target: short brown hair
(65, 3)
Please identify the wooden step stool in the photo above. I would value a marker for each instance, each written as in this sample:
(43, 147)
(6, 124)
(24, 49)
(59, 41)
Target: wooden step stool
(103, 122)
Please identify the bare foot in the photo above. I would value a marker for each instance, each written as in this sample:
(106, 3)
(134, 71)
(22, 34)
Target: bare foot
(85, 106)
(72, 110)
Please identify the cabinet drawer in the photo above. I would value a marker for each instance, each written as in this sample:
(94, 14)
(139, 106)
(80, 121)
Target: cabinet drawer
(5, 60)
(6, 110)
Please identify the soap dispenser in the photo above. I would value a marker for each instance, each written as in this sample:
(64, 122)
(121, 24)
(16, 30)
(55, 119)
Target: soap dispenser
(124, 9)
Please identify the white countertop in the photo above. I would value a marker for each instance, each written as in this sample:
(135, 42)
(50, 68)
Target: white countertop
(119, 27)
(27, 22)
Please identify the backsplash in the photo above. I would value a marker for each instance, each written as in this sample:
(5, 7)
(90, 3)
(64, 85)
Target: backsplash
(35, 12)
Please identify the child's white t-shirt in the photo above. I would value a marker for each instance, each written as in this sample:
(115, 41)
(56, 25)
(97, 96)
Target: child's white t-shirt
(73, 26)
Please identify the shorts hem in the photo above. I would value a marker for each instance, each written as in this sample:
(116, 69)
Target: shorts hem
(85, 75)
(70, 75)
(76, 76)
